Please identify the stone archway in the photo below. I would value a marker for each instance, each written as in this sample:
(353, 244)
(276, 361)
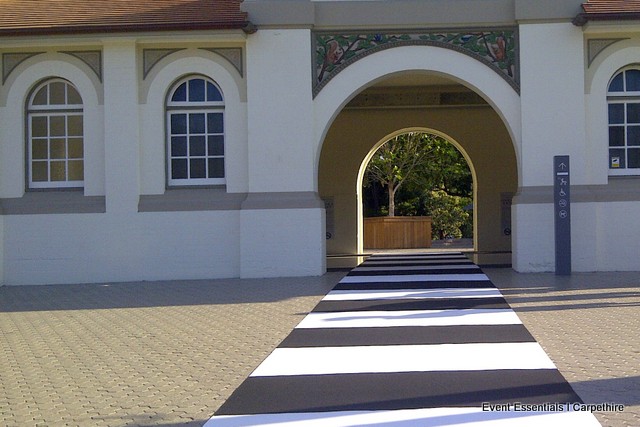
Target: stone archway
(418, 87)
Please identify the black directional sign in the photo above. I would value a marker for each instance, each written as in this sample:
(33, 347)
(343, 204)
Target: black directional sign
(562, 213)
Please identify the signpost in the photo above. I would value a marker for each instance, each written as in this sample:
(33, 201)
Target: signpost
(562, 214)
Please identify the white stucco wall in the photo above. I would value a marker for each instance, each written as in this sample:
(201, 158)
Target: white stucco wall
(553, 123)
(282, 242)
(78, 248)
(617, 225)
(618, 230)
(121, 244)
(12, 108)
(122, 128)
(152, 113)
(274, 135)
(286, 240)
(1, 250)
(280, 111)
(552, 94)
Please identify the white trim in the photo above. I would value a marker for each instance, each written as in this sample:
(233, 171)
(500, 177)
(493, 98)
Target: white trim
(53, 110)
(188, 108)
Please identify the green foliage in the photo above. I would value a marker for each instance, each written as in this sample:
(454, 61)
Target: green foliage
(448, 216)
(397, 162)
(416, 171)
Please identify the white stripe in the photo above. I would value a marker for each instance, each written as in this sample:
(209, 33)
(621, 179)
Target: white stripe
(382, 319)
(403, 358)
(415, 267)
(450, 417)
(383, 294)
(414, 278)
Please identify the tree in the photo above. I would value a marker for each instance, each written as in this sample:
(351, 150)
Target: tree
(421, 175)
(396, 161)
(447, 214)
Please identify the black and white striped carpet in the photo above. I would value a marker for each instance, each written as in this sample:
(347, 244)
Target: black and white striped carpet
(407, 340)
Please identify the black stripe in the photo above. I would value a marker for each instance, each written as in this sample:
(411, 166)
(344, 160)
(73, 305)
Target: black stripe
(407, 335)
(412, 304)
(389, 391)
(422, 255)
(434, 271)
(415, 285)
(417, 259)
(412, 264)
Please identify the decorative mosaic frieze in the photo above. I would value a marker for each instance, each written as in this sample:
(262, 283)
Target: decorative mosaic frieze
(93, 58)
(11, 60)
(496, 48)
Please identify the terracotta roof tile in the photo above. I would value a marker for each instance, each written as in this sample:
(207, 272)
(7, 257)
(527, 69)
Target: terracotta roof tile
(611, 6)
(78, 16)
(608, 10)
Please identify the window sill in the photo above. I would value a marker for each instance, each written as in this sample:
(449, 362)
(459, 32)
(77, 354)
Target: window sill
(624, 172)
(52, 202)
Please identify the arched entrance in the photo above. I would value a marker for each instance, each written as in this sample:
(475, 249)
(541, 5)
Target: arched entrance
(418, 87)
(367, 159)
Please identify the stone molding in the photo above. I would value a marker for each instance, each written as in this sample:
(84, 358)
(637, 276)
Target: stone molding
(624, 189)
(52, 202)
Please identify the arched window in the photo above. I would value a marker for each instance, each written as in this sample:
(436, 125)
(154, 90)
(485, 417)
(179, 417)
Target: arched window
(195, 133)
(623, 98)
(55, 136)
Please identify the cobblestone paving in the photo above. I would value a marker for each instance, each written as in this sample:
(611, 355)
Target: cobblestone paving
(169, 353)
(164, 354)
(589, 324)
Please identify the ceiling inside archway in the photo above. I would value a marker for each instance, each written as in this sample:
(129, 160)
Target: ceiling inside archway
(416, 79)
(416, 90)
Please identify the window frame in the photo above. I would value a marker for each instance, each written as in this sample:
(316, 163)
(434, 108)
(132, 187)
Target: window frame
(48, 111)
(189, 108)
(622, 97)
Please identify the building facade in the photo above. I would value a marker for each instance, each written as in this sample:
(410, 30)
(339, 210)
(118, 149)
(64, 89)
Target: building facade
(173, 139)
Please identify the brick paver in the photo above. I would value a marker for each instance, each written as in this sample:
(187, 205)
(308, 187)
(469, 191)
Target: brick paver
(165, 353)
(589, 324)
(170, 353)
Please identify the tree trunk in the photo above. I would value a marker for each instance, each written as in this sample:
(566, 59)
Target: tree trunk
(392, 201)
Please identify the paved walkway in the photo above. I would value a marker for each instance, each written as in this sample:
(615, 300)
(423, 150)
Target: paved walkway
(589, 324)
(170, 353)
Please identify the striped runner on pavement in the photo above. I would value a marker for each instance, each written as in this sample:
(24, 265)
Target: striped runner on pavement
(407, 340)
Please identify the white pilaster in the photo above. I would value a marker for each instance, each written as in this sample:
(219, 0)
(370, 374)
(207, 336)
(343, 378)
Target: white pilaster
(553, 99)
(1, 250)
(553, 123)
(280, 113)
(281, 234)
(121, 126)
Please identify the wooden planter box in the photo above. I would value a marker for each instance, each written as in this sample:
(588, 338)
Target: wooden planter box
(398, 232)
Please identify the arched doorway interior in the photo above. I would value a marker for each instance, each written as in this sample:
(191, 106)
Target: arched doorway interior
(440, 139)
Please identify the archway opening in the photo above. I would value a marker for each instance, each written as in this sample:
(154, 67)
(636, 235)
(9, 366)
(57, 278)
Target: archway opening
(421, 101)
(414, 188)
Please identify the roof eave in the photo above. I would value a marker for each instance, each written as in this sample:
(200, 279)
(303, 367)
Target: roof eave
(583, 18)
(245, 26)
